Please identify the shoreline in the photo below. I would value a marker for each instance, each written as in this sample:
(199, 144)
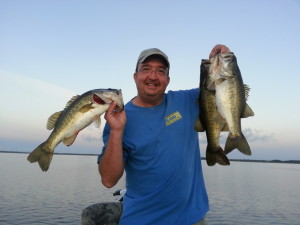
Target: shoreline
(202, 158)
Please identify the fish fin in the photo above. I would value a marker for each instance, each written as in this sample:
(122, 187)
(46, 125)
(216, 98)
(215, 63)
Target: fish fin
(70, 140)
(97, 121)
(239, 143)
(198, 126)
(210, 84)
(247, 111)
(219, 119)
(43, 155)
(213, 157)
(247, 90)
(71, 100)
(86, 108)
(52, 120)
(225, 127)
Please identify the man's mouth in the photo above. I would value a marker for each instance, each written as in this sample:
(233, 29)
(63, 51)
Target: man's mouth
(152, 84)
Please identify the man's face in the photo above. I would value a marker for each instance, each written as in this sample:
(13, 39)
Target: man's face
(152, 78)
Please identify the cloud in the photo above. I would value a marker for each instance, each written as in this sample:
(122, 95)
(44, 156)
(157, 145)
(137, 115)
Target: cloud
(26, 104)
(93, 134)
(254, 135)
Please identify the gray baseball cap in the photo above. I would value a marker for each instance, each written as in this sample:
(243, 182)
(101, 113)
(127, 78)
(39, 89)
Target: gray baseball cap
(152, 51)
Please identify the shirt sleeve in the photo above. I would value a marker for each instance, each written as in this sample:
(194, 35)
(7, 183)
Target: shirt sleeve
(194, 93)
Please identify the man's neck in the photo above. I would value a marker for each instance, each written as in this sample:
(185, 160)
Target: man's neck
(147, 102)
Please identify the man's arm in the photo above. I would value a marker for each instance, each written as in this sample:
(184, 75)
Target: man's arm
(111, 165)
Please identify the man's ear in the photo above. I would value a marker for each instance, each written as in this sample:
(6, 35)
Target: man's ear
(135, 76)
(168, 80)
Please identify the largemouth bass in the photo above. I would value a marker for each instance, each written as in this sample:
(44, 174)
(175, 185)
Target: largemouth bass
(231, 95)
(207, 123)
(79, 113)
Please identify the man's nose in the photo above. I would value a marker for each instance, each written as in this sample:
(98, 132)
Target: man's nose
(153, 74)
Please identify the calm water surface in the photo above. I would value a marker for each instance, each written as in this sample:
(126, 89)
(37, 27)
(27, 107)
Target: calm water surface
(243, 193)
(254, 193)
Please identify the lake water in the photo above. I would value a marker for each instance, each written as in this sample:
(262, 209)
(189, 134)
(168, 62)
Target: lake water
(242, 193)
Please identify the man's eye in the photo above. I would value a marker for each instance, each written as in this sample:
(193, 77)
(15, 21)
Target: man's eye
(161, 71)
(145, 69)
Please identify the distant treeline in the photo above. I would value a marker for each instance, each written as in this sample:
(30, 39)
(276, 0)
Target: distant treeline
(263, 161)
(203, 158)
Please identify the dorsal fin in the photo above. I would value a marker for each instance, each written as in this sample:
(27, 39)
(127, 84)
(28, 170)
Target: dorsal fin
(247, 90)
(71, 100)
(52, 120)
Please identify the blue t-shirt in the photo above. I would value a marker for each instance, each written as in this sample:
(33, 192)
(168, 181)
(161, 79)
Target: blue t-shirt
(164, 179)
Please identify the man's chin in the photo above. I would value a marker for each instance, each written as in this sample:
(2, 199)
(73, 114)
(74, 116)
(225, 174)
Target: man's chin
(152, 91)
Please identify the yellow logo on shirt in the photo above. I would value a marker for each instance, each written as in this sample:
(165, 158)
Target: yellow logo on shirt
(172, 118)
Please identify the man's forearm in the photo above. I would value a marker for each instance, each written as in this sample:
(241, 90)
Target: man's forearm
(111, 165)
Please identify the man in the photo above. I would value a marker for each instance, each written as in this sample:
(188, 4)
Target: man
(154, 140)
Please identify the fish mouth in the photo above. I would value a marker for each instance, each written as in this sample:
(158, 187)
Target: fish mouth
(219, 68)
(107, 97)
(228, 55)
(227, 58)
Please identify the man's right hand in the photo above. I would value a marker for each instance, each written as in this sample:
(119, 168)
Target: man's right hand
(116, 119)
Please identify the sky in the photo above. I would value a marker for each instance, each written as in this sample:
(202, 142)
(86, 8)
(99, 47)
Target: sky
(51, 50)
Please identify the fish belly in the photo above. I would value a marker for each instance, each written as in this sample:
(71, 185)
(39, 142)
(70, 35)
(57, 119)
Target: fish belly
(226, 101)
(72, 125)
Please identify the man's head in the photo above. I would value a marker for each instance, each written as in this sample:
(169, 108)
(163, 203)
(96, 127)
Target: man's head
(152, 76)
(151, 53)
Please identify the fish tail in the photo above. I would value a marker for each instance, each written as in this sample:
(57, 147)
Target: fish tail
(43, 155)
(213, 157)
(239, 143)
